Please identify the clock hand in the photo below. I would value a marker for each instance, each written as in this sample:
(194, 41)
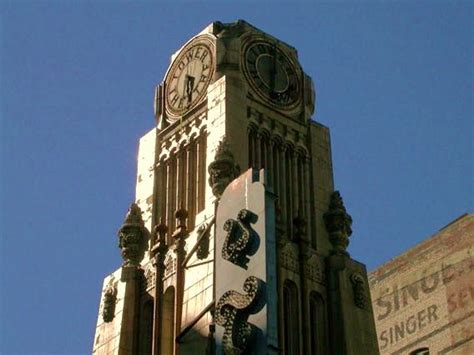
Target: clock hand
(189, 83)
(273, 70)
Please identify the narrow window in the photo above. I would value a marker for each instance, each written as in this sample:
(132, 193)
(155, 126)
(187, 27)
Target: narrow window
(421, 351)
(291, 318)
(146, 328)
(318, 323)
(201, 171)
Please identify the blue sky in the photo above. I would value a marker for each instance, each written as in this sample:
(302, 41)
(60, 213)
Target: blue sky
(394, 83)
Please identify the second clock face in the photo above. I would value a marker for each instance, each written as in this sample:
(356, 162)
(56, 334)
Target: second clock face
(272, 74)
(188, 78)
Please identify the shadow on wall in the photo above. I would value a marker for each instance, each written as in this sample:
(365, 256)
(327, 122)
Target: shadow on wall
(194, 343)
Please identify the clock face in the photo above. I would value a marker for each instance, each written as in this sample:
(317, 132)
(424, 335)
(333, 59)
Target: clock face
(188, 78)
(272, 74)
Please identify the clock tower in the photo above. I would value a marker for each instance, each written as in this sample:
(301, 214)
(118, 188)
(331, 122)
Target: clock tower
(236, 242)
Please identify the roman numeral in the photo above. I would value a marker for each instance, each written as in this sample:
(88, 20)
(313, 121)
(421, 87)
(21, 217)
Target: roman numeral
(254, 74)
(258, 49)
(174, 99)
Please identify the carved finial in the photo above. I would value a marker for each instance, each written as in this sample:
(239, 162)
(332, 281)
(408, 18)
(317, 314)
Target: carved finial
(161, 230)
(159, 250)
(223, 169)
(338, 224)
(133, 237)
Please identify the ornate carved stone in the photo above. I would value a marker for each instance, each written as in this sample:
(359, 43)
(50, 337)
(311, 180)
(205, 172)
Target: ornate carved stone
(289, 257)
(314, 270)
(241, 240)
(133, 237)
(180, 235)
(232, 312)
(149, 278)
(110, 299)
(170, 265)
(223, 169)
(159, 248)
(359, 290)
(338, 224)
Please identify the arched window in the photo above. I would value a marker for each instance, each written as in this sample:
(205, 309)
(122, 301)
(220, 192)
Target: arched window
(291, 317)
(167, 324)
(318, 323)
(421, 351)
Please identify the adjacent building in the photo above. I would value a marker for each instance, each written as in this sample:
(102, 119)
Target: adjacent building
(423, 300)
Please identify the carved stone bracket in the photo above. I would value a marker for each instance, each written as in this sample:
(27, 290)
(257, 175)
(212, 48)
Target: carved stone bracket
(241, 240)
(359, 290)
(232, 312)
(110, 299)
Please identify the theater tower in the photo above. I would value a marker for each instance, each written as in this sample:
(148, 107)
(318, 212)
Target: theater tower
(236, 242)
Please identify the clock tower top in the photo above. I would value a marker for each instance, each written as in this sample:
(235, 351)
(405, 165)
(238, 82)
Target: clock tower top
(268, 68)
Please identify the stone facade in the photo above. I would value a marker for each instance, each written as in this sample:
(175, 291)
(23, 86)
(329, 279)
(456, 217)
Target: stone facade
(249, 264)
(423, 300)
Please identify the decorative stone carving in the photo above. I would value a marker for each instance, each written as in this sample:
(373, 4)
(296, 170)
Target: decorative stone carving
(223, 169)
(170, 265)
(232, 312)
(241, 240)
(314, 270)
(110, 299)
(289, 257)
(133, 237)
(159, 249)
(149, 278)
(338, 224)
(359, 290)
